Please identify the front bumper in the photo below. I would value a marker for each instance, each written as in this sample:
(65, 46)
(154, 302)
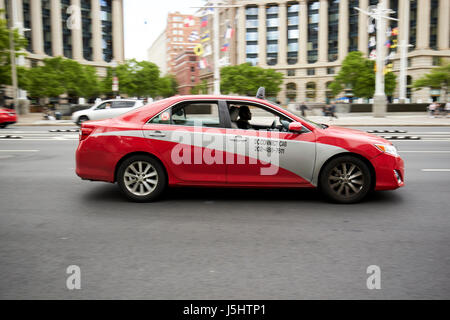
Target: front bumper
(389, 172)
(7, 119)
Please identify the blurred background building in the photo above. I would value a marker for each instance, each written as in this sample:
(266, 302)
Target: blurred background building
(307, 41)
(51, 29)
(186, 71)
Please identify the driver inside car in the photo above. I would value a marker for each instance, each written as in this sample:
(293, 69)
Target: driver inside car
(244, 116)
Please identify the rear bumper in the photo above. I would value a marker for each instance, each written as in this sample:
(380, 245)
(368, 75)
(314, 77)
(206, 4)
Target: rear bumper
(389, 172)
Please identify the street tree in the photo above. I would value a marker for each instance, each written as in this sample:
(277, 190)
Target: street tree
(358, 74)
(201, 88)
(168, 86)
(137, 79)
(57, 76)
(245, 79)
(437, 78)
(5, 59)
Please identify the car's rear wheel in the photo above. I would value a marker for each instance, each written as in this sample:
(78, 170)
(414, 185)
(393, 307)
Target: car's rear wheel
(3, 125)
(346, 179)
(141, 178)
(82, 119)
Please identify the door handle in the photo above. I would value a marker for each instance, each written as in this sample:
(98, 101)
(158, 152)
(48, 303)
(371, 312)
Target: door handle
(156, 133)
(239, 139)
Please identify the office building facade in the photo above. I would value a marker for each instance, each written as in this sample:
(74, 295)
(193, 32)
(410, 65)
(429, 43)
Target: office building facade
(88, 31)
(307, 40)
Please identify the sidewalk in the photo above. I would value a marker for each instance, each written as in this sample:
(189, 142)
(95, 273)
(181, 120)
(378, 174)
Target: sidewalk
(344, 119)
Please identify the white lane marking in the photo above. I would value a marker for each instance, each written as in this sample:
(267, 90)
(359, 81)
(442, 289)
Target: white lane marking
(19, 150)
(435, 170)
(424, 151)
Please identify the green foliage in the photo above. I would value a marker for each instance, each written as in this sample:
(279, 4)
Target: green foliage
(167, 86)
(57, 76)
(201, 88)
(140, 79)
(245, 79)
(5, 60)
(438, 78)
(358, 74)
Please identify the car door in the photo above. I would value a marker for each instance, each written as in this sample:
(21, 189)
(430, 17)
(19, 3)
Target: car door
(263, 155)
(189, 138)
(100, 112)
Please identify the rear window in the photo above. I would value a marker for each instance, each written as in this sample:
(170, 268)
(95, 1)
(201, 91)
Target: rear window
(123, 104)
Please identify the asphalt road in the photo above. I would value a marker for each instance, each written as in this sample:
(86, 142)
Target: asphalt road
(218, 243)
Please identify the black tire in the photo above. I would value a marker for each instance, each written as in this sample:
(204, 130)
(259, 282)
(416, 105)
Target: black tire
(144, 183)
(3, 125)
(346, 179)
(81, 119)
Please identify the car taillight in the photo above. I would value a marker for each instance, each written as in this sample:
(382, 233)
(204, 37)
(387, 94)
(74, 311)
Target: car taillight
(85, 132)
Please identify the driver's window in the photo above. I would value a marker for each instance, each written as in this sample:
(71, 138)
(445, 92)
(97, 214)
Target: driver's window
(105, 105)
(254, 117)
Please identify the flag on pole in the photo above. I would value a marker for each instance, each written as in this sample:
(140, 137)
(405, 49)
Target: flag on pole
(225, 47)
(189, 22)
(203, 64)
(207, 11)
(193, 36)
(207, 50)
(229, 32)
(205, 36)
(204, 21)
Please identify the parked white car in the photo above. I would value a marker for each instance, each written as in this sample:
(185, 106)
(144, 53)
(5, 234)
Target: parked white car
(106, 109)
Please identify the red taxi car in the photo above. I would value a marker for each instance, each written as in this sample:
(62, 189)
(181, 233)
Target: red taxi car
(7, 117)
(230, 141)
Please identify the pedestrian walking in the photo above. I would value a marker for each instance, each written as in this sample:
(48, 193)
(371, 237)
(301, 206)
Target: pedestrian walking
(333, 111)
(432, 109)
(447, 109)
(303, 109)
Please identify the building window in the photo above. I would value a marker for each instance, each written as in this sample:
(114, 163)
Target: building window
(26, 21)
(291, 72)
(311, 91)
(291, 91)
(330, 70)
(353, 25)
(412, 24)
(409, 87)
(251, 34)
(328, 92)
(393, 24)
(192, 69)
(86, 22)
(434, 14)
(46, 27)
(310, 71)
(313, 30)
(292, 32)
(272, 27)
(409, 62)
(436, 61)
(107, 40)
(333, 26)
(66, 32)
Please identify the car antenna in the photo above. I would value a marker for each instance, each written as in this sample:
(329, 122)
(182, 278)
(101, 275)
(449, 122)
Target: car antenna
(261, 94)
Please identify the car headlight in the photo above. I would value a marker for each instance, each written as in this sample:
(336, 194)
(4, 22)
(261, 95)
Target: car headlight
(387, 148)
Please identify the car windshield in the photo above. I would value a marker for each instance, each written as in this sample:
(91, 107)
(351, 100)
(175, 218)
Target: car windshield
(315, 124)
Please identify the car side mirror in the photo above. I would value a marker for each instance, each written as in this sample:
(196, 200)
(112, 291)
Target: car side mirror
(295, 127)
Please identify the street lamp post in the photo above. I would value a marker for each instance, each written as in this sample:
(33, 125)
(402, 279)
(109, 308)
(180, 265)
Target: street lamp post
(115, 81)
(380, 14)
(12, 53)
(216, 4)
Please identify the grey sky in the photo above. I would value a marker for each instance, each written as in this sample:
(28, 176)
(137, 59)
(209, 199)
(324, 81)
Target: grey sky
(145, 20)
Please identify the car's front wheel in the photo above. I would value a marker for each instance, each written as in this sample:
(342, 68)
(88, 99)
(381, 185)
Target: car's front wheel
(82, 119)
(345, 179)
(141, 178)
